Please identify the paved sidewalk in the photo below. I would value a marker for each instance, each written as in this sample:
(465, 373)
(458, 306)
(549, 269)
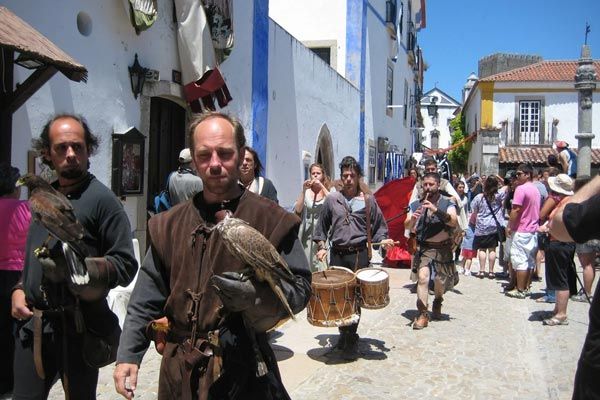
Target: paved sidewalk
(488, 346)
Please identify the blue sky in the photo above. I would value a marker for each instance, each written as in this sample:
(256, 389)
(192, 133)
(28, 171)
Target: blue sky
(460, 32)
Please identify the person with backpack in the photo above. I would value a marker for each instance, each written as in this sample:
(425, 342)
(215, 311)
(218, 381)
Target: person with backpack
(567, 158)
(184, 183)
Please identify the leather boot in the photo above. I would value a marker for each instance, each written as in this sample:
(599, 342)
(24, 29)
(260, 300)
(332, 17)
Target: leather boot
(436, 310)
(350, 351)
(421, 321)
(341, 343)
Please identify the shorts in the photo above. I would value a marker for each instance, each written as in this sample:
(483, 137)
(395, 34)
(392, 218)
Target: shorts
(559, 258)
(486, 241)
(522, 250)
(591, 246)
(468, 253)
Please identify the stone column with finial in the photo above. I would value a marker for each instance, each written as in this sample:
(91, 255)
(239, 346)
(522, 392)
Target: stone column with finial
(585, 83)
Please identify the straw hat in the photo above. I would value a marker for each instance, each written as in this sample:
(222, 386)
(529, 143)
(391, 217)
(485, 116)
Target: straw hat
(561, 183)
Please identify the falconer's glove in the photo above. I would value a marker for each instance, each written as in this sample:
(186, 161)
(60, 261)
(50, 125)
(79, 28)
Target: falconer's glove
(236, 291)
(54, 265)
(102, 277)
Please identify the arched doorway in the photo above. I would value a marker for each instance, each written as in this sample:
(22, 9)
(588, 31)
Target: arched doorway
(324, 151)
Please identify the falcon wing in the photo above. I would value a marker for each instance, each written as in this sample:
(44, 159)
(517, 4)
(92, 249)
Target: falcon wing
(254, 249)
(55, 213)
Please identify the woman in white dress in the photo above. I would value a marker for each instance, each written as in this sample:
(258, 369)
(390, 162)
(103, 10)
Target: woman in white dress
(308, 206)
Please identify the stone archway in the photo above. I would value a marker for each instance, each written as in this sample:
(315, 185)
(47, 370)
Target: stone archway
(324, 151)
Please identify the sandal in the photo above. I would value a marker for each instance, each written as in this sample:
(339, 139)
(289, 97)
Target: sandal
(481, 275)
(491, 275)
(555, 321)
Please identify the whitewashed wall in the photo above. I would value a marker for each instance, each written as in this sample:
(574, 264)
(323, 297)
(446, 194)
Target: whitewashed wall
(304, 94)
(312, 20)
(106, 100)
(560, 105)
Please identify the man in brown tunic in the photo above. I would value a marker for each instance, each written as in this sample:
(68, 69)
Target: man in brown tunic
(210, 350)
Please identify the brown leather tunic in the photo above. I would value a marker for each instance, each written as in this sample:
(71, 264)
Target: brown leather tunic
(191, 254)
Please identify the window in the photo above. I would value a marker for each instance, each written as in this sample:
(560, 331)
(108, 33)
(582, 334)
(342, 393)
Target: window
(529, 121)
(435, 139)
(389, 88)
(390, 11)
(405, 108)
(372, 164)
(324, 53)
(401, 19)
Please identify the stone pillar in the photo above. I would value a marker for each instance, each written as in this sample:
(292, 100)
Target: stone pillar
(490, 139)
(585, 83)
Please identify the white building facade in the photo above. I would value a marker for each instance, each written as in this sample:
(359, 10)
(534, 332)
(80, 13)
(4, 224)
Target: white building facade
(436, 128)
(530, 108)
(296, 108)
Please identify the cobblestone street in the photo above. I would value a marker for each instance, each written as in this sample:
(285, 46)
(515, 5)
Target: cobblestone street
(488, 346)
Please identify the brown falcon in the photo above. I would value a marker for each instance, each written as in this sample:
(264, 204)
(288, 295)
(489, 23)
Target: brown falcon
(250, 247)
(54, 211)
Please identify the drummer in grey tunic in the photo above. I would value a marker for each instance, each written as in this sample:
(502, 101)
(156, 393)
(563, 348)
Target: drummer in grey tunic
(343, 221)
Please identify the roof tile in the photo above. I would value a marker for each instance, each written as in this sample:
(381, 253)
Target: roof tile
(534, 155)
(542, 71)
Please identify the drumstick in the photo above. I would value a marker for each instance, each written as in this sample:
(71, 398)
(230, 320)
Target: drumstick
(380, 243)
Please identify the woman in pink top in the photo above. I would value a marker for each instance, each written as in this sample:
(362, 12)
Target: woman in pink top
(15, 217)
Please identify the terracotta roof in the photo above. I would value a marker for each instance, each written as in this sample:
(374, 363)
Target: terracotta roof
(534, 155)
(18, 35)
(542, 71)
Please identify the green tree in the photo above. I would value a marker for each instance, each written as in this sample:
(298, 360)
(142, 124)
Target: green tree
(459, 156)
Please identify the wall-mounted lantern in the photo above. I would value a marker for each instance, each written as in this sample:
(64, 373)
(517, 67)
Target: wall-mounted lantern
(137, 75)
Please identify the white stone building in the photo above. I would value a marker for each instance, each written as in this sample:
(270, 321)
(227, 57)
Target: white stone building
(295, 107)
(436, 128)
(528, 108)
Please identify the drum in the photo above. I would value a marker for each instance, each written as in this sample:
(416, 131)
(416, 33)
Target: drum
(374, 284)
(333, 298)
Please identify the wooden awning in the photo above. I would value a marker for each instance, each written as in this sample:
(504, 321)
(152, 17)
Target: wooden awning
(19, 36)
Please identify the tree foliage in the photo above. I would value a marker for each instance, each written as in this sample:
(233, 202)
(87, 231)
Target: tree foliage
(459, 156)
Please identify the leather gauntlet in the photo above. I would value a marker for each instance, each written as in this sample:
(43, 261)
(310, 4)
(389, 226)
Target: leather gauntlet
(102, 278)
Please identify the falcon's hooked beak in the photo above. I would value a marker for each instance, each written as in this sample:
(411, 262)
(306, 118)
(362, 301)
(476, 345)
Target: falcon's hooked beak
(20, 182)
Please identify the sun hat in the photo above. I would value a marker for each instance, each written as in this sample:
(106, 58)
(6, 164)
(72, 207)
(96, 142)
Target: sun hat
(561, 183)
(185, 156)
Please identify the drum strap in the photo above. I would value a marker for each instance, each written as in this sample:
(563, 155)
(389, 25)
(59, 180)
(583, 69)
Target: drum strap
(368, 212)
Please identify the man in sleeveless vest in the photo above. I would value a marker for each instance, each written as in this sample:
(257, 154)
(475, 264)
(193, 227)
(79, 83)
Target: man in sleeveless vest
(348, 218)
(431, 220)
(216, 346)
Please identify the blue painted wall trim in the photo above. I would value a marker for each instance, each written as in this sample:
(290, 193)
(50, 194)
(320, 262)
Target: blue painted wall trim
(356, 39)
(363, 67)
(377, 15)
(260, 78)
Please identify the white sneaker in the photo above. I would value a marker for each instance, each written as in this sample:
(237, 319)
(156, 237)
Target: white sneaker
(467, 273)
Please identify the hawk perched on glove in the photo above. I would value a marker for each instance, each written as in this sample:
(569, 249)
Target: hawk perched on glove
(54, 211)
(250, 247)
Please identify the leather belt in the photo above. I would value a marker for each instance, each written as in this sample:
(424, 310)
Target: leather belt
(348, 249)
(437, 245)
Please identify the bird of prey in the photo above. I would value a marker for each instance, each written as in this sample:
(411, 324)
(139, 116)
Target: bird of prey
(54, 211)
(250, 247)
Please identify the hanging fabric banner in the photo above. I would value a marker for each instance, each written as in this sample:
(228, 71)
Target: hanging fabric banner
(143, 14)
(203, 43)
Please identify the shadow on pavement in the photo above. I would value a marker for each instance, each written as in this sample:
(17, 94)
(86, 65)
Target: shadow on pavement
(368, 349)
(539, 315)
(282, 353)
